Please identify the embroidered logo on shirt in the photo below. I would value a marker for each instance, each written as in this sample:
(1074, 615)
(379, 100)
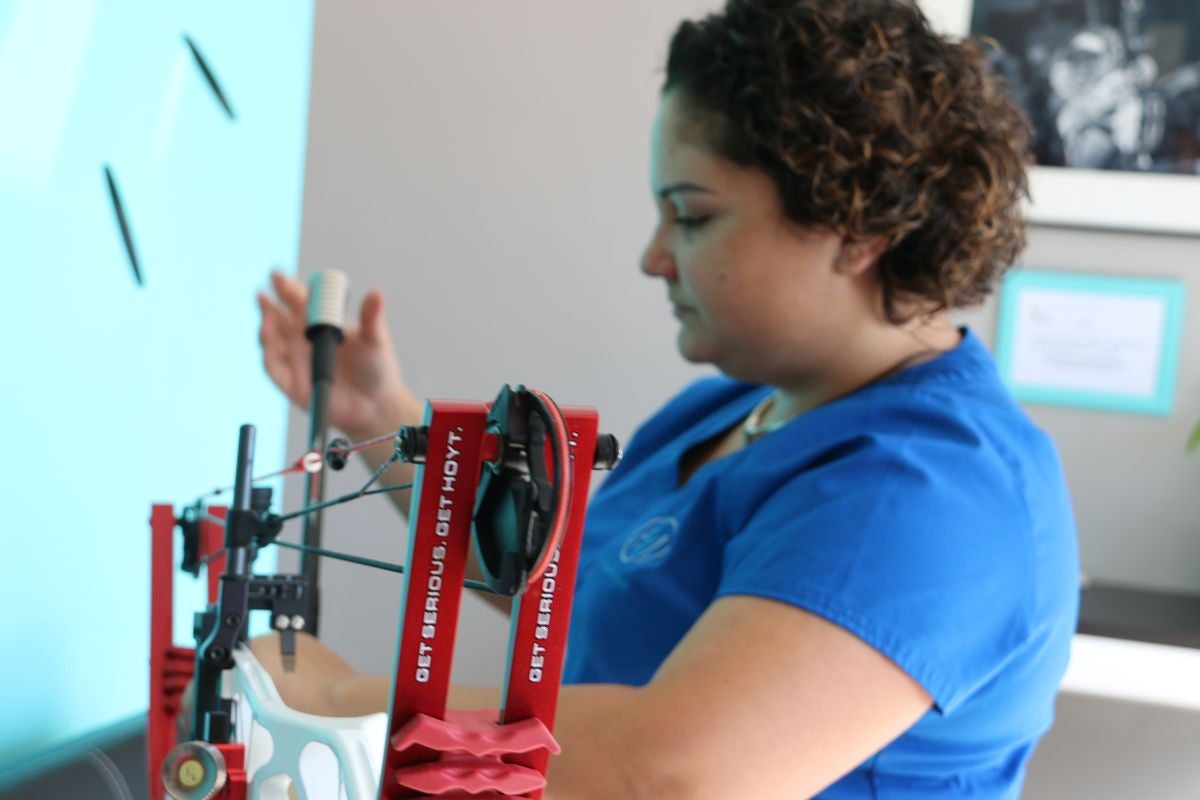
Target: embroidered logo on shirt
(651, 542)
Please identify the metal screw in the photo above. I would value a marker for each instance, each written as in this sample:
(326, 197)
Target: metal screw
(298, 622)
(233, 620)
(283, 622)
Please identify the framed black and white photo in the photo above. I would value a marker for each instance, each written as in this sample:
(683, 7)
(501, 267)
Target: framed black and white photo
(1112, 90)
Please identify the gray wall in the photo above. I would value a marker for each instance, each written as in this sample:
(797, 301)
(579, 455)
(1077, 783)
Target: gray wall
(485, 164)
(1133, 484)
(1105, 749)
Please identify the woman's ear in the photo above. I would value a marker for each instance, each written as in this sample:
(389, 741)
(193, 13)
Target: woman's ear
(857, 256)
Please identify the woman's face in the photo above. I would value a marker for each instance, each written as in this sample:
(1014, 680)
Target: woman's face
(755, 295)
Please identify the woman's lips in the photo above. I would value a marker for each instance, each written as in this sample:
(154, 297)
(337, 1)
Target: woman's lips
(679, 309)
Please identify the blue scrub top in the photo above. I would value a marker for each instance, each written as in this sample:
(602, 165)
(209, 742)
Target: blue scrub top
(924, 513)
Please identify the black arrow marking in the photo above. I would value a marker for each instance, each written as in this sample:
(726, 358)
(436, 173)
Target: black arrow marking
(209, 77)
(119, 208)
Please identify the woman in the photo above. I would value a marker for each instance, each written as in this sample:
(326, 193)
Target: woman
(847, 566)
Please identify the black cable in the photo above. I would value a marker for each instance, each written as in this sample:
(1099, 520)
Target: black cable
(384, 467)
(346, 498)
(478, 586)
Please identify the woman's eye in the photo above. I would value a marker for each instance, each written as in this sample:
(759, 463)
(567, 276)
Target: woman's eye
(690, 223)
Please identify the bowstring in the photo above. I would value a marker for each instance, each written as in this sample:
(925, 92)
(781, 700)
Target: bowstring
(297, 465)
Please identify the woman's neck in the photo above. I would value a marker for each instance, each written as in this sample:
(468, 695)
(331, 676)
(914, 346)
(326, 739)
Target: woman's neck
(874, 356)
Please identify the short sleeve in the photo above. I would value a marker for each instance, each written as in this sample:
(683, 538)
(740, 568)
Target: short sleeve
(921, 549)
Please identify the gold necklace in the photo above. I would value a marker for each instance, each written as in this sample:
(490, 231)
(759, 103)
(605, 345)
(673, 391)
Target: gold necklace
(753, 427)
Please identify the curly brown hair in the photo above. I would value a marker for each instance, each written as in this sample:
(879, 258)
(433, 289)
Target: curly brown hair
(869, 124)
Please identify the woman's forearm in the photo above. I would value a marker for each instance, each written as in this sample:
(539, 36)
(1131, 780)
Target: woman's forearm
(600, 758)
(367, 694)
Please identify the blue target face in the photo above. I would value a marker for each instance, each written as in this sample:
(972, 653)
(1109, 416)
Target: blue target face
(151, 167)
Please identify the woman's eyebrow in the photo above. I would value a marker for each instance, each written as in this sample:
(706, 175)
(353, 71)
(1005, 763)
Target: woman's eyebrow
(682, 187)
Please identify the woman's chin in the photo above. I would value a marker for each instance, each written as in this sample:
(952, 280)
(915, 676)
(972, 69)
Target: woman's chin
(693, 349)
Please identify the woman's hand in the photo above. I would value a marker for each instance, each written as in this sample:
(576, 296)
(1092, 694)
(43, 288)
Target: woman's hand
(312, 686)
(368, 396)
(321, 682)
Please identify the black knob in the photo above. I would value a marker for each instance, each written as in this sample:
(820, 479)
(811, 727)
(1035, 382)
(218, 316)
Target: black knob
(338, 454)
(412, 443)
(608, 452)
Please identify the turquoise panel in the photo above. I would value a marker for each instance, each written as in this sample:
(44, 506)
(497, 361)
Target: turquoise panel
(119, 392)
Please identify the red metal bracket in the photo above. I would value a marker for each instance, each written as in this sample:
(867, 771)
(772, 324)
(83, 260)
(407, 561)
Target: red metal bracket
(236, 786)
(446, 765)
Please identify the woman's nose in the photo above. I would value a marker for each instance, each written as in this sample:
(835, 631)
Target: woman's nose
(657, 260)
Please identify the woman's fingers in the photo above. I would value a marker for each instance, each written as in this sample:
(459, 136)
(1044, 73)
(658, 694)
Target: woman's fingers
(278, 319)
(276, 336)
(292, 292)
(269, 314)
(278, 368)
(316, 669)
(371, 322)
